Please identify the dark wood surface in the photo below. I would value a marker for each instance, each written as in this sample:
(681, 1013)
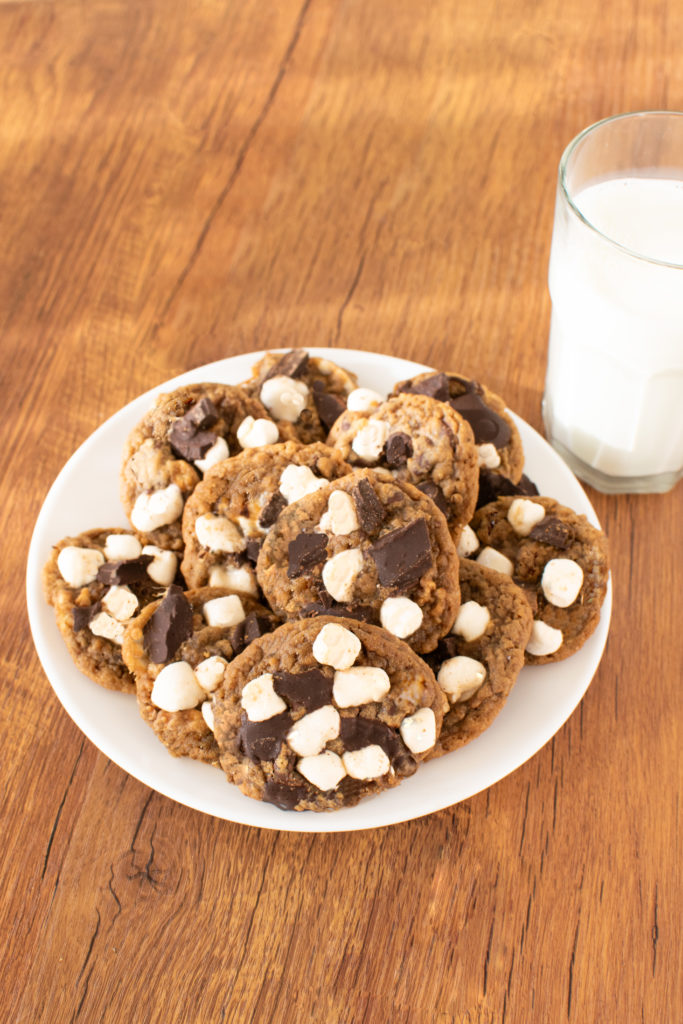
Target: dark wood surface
(182, 180)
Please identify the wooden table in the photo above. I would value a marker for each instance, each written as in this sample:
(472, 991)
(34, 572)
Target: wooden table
(182, 180)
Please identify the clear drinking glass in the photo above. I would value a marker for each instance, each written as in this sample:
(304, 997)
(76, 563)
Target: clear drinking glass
(613, 402)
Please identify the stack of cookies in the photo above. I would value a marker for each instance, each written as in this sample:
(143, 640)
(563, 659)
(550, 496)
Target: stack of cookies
(323, 586)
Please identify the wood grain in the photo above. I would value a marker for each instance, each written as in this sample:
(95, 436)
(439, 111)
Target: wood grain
(182, 180)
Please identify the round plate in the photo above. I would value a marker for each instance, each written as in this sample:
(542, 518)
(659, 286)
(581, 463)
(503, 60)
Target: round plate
(85, 495)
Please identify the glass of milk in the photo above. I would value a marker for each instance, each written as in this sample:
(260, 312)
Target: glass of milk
(613, 402)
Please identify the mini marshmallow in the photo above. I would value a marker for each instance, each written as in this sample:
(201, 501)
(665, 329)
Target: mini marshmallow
(363, 400)
(369, 762)
(154, 509)
(120, 602)
(310, 733)
(284, 397)
(370, 440)
(360, 685)
(336, 646)
(249, 526)
(219, 534)
(176, 688)
(468, 542)
(493, 559)
(79, 566)
(216, 453)
(561, 581)
(240, 578)
(340, 572)
(460, 677)
(400, 616)
(523, 515)
(418, 731)
(298, 481)
(488, 456)
(122, 547)
(210, 672)
(207, 714)
(253, 433)
(340, 517)
(472, 620)
(259, 699)
(223, 611)
(164, 565)
(544, 639)
(324, 771)
(108, 627)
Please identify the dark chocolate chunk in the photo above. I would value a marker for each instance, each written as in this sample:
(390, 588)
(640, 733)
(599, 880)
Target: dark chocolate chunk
(553, 531)
(448, 647)
(403, 555)
(168, 627)
(526, 486)
(434, 492)
(132, 571)
(369, 508)
(261, 741)
(398, 450)
(253, 549)
(292, 364)
(362, 612)
(189, 443)
(284, 796)
(271, 510)
(203, 414)
(488, 427)
(433, 387)
(329, 407)
(250, 629)
(359, 732)
(312, 689)
(305, 551)
(82, 617)
(494, 485)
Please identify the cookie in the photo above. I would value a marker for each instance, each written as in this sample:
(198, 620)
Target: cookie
(364, 546)
(232, 509)
(422, 442)
(319, 714)
(302, 393)
(97, 582)
(558, 558)
(177, 650)
(477, 664)
(499, 445)
(180, 438)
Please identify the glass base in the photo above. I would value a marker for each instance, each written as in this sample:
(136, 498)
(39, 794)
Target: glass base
(658, 484)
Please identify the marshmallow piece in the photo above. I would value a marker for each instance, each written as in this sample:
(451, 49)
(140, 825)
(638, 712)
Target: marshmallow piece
(164, 565)
(468, 542)
(210, 672)
(336, 646)
(561, 581)
(460, 677)
(219, 534)
(176, 688)
(284, 397)
(363, 400)
(400, 616)
(259, 699)
(79, 566)
(544, 639)
(370, 440)
(298, 481)
(493, 559)
(120, 602)
(310, 733)
(253, 433)
(472, 620)
(238, 578)
(216, 453)
(249, 526)
(153, 509)
(360, 685)
(523, 515)
(488, 455)
(108, 627)
(418, 731)
(207, 714)
(367, 763)
(340, 517)
(324, 771)
(223, 611)
(122, 547)
(339, 574)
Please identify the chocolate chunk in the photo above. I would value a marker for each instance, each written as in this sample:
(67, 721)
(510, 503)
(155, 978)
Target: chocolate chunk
(250, 629)
(305, 551)
(434, 492)
(488, 427)
(189, 443)
(203, 414)
(261, 741)
(356, 733)
(398, 450)
(253, 549)
(369, 508)
(448, 647)
(168, 627)
(329, 407)
(132, 571)
(494, 485)
(403, 555)
(312, 689)
(284, 796)
(553, 531)
(292, 364)
(271, 510)
(433, 387)
(82, 617)
(526, 486)
(362, 612)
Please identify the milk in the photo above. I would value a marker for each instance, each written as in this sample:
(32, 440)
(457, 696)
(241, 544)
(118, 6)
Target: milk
(614, 386)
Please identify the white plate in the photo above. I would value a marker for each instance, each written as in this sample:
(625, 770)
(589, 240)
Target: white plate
(85, 495)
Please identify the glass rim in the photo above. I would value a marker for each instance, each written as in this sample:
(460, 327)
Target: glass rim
(564, 187)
